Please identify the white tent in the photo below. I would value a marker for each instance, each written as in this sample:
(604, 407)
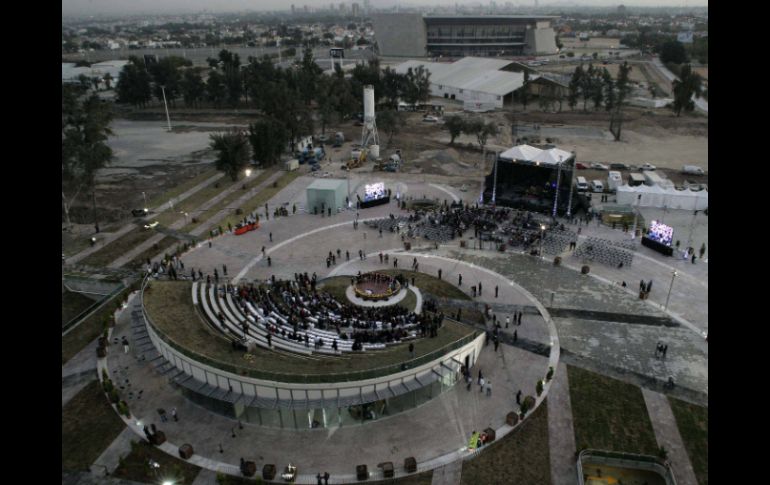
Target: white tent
(655, 196)
(521, 152)
(552, 156)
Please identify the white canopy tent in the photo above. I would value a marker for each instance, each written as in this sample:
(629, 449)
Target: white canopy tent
(521, 152)
(552, 157)
(655, 196)
(528, 153)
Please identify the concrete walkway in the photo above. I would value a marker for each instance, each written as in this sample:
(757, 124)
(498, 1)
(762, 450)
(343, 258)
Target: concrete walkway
(128, 227)
(667, 435)
(561, 434)
(110, 457)
(178, 224)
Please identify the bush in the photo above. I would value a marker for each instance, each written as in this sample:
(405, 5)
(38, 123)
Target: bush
(570, 54)
(105, 376)
(107, 386)
(662, 452)
(123, 409)
(114, 396)
(549, 376)
(585, 269)
(539, 387)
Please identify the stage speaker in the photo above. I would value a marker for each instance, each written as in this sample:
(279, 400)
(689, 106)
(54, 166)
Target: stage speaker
(410, 464)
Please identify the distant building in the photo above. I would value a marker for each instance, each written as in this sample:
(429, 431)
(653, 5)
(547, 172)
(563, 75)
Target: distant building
(415, 35)
(684, 37)
(354, 9)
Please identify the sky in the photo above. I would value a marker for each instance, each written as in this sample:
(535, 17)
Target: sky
(115, 7)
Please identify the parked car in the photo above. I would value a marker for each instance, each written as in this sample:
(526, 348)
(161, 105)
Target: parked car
(599, 166)
(693, 170)
(139, 212)
(647, 166)
(430, 119)
(580, 166)
(618, 166)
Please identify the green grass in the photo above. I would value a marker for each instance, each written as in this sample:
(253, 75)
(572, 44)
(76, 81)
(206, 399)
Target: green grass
(169, 304)
(261, 198)
(693, 424)
(90, 328)
(72, 304)
(197, 199)
(181, 188)
(523, 454)
(89, 425)
(609, 414)
(118, 247)
(167, 244)
(135, 466)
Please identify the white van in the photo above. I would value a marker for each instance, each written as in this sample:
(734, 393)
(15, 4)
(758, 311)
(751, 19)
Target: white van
(597, 186)
(693, 170)
(582, 184)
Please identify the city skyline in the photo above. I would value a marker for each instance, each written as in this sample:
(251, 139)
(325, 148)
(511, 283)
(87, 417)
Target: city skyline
(132, 7)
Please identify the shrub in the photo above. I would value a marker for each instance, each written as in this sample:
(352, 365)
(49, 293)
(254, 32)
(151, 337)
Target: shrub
(114, 396)
(123, 409)
(105, 376)
(107, 386)
(528, 403)
(585, 269)
(570, 54)
(539, 387)
(549, 375)
(662, 452)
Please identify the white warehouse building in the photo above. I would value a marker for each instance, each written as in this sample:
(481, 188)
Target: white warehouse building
(480, 83)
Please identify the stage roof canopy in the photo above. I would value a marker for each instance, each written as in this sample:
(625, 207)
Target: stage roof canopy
(529, 153)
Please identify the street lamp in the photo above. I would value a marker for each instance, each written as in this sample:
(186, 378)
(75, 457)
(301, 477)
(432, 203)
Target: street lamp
(248, 172)
(144, 194)
(556, 193)
(168, 118)
(542, 232)
(673, 276)
(636, 215)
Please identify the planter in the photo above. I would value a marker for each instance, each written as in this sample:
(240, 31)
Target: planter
(362, 472)
(387, 469)
(158, 438)
(512, 419)
(410, 465)
(557, 261)
(186, 451)
(249, 469)
(585, 269)
(490, 435)
(268, 472)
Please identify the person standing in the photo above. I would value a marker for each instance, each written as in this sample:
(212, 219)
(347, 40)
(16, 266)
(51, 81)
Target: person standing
(411, 350)
(507, 321)
(125, 345)
(497, 343)
(173, 414)
(271, 237)
(439, 273)
(518, 397)
(702, 250)
(326, 478)
(459, 280)
(515, 336)
(479, 288)
(497, 289)
(482, 382)
(489, 389)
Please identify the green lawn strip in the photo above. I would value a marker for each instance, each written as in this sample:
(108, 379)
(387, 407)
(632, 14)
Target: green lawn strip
(693, 424)
(89, 425)
(167, 244)
(91, 327)
(72, 304)
(522, 456)
(181, 188)
(169, 304)
(197, 199)
(118, 247)
(609, 414)
(260, 199)
(135, 466)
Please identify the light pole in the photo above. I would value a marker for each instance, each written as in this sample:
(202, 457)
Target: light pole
(673, 276)
(168, 118)
(248, 172)
(494, 183)
(571, 184)
(542, 233)
(144, 194)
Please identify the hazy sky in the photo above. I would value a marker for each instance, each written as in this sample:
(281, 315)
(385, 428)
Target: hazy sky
(92, 7)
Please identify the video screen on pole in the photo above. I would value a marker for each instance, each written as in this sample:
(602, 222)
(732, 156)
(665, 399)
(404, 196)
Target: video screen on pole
(374, 191)
(661, 233)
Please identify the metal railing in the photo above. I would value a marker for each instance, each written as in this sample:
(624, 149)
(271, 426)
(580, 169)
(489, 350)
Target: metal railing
(625, 460)
(96, 306)
(306, 378)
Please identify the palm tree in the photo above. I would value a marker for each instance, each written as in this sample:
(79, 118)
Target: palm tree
(233, 150)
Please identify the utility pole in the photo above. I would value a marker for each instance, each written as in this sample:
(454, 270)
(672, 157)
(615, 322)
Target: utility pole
(636, 215)
(571, 176)
(556, 194)
(96, 222)
(494, 186)
(168, 118)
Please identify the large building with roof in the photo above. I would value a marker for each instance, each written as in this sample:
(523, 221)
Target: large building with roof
(415, 35)
(480, 83)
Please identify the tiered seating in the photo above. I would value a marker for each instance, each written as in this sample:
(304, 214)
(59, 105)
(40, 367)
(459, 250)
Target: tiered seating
(603, 251)
(387, 223)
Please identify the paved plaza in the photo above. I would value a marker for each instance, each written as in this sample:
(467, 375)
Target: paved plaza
(590, 320)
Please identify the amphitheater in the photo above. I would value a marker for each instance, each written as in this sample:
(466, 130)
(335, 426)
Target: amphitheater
(261, 367)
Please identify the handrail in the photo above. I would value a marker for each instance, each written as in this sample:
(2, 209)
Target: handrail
(94, 307)
(306, 378)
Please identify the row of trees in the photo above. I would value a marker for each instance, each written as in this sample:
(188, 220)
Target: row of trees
(597, 85)
(477, 127)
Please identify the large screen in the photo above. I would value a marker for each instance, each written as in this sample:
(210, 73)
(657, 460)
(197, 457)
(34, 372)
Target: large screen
(374, 191)
(661, 233)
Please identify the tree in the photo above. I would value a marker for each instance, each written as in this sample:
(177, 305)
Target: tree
(85, 129)
(215, 88)
(233, 152)
(308, 76)
(417, 85)
(165, 74)
(574, 87)
(393, 87)
(609, 90)
(267, 138)
(390, 121)
(134, 83)
(192, 87)
(482, 130)
(622, 84)
(673, 51)
(689, 85)
(456, 126)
